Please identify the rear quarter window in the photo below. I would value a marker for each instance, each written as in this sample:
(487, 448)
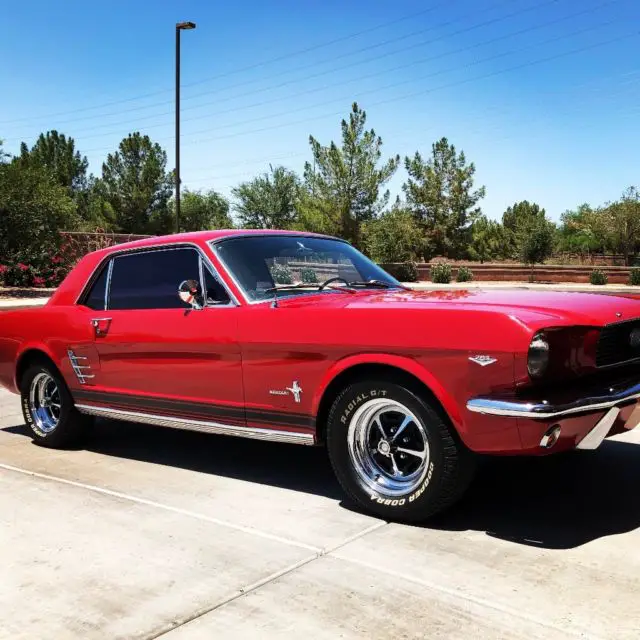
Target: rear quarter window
(95, 298)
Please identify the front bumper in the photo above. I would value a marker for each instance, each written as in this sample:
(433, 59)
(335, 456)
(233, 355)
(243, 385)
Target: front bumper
(579, 415)
(612, 396)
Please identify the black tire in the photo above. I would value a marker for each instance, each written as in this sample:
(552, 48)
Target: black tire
(448, 470)
(71, 427)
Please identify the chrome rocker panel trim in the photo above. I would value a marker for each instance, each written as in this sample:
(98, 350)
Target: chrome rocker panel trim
(256, 433)
(543, 409)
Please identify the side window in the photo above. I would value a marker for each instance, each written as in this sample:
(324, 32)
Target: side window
(95, 298)
(216, 293)
(150, 280)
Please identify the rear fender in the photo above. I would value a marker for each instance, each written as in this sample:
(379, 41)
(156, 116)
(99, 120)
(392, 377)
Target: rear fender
(27, 349)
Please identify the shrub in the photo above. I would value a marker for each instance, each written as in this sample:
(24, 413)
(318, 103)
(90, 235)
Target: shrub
(598, 276)
(464, 274)
(19, 275)
(403, 271)
(634, 276)
(281, 274)
(308, 275)
(440, 273)
(394, 237)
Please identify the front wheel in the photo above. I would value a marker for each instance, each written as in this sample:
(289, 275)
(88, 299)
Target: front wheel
(48, 408)
(394, 452)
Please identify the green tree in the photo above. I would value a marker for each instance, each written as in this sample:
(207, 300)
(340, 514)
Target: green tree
(57, 153)
(4, 156)
(33, 209)
(200, 211)
(520, 214)
(94, 209)
(487, 240)
(268, 201)
(393, 237)
(440, 193)
(342, 186)
(579, 231)
(619, 223)
(137, 186)
(535, 238)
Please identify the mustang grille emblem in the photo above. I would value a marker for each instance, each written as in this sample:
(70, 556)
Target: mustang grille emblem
(483, 361)
(295, 390)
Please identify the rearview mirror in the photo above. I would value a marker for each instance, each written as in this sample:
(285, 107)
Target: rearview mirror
(190, 293)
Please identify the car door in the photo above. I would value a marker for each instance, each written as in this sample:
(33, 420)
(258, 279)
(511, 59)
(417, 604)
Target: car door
(157, 354)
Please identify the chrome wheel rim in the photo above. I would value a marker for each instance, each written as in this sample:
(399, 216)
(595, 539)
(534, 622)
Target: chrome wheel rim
(45, 402)
(388, 447)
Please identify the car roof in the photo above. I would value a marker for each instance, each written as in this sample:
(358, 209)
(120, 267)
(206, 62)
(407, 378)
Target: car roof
(207, 236)
(74, 283)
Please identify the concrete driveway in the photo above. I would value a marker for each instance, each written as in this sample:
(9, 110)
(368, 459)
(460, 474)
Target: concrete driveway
(152, 533)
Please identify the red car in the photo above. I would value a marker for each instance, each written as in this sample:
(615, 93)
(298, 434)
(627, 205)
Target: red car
(300, 338)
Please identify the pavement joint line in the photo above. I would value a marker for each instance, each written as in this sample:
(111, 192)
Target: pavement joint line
(166, 507)
(469, 598)
(243, 591)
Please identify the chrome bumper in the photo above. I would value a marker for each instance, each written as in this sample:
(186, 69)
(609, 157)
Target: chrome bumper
(544, 409)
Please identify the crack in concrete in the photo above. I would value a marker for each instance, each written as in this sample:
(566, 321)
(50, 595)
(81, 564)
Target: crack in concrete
(166, 507)
(243, 591)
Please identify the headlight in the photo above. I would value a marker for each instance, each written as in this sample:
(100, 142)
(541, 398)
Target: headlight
(538, 357)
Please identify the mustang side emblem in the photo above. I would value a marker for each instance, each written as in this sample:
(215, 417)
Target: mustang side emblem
(483, 361)
(634, 338)
(295, 390)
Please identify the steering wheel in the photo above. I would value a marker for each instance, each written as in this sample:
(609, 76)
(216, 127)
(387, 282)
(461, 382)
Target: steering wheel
(330, 280)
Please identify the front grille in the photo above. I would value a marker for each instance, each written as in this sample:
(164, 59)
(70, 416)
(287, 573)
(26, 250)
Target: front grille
(618, 343)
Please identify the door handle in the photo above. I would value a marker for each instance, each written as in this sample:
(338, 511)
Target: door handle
(101, 326)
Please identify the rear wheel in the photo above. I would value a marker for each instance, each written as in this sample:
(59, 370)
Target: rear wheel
(395, 453)
(48, 408)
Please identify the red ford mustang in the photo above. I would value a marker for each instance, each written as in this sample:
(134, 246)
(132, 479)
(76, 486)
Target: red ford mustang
(299, 338)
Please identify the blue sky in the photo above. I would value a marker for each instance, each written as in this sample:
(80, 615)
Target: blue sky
(542, 95)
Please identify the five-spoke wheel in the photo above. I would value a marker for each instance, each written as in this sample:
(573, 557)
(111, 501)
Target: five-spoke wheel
(394, 450)
(388, 446)
(48, 408)
(45, 402)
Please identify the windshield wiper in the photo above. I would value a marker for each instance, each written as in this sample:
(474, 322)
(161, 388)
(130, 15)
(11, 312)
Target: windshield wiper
(304, 285)
(376, 283)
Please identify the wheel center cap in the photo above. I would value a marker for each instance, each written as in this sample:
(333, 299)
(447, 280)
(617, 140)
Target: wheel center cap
(384, 447)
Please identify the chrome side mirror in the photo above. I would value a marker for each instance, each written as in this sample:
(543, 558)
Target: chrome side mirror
(190, 293)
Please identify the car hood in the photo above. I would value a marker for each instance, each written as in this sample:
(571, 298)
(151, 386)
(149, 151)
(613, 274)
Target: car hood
(527, 305)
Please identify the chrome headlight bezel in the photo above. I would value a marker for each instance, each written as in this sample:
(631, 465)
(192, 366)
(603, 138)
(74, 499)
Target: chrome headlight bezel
(538, 356)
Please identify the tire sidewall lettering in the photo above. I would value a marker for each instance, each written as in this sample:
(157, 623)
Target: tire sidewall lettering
(26, 411)
(399, 502)
(358, 400)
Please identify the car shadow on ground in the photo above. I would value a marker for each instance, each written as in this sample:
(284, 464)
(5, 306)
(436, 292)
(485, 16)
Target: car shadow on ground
(288, 466)
(555, 502)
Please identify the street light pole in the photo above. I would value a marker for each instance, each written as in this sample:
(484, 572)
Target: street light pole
(180, 26)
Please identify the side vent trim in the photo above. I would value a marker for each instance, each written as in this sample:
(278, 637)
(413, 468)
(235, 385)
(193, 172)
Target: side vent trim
(80, 367)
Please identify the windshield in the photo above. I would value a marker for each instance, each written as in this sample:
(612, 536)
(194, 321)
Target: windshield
(260, 263)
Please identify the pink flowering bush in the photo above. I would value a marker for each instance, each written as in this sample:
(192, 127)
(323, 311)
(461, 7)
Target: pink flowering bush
(17, 275)
(48, 266)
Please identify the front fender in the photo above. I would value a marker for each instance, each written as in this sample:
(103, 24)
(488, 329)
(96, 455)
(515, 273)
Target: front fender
(408, 365)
